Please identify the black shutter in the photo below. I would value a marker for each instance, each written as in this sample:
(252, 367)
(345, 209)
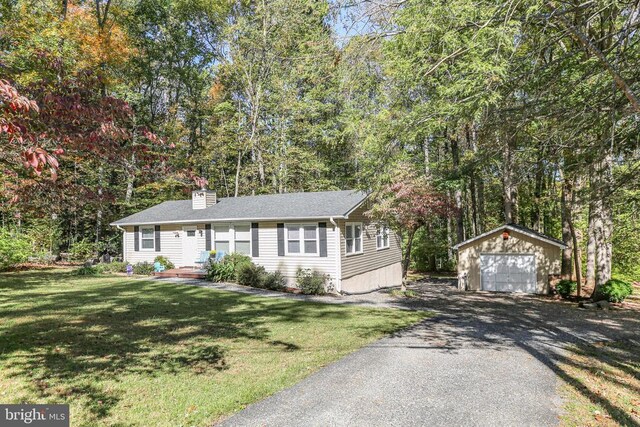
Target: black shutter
(157, 235)
(255, 240)
(136, 238)
(280, 239)
(322, 235)
(207, 237)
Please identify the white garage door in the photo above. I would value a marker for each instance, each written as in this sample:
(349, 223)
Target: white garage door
(508, 273)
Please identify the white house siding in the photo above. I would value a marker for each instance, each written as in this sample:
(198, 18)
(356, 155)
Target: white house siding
(171, 247)
(373, 268)
(288, 265)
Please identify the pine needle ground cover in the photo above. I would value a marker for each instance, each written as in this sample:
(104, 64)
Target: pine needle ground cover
(602, 384)
(126, 351)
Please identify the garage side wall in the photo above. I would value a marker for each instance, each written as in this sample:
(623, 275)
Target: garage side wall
(547, 257)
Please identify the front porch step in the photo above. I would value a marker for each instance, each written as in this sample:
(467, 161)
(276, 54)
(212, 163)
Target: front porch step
(183, 273)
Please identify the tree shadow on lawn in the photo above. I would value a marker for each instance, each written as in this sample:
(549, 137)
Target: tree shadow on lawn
(560, 336)
(66, 337)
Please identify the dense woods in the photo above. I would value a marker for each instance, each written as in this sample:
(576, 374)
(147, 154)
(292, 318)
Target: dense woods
(521, 112)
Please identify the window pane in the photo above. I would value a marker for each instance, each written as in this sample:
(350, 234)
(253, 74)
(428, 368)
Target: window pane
(379, 240)
(358, 232)
(294, 246)
(191, 233)
(222, 246)
(243, 247)
(243, 232)
(147, 232)
(349, 232)
(221, 232)
(349, 246)
(358, 245)
(386, 240)
(310, 247)
(147, 243)
(309, 232)
(293, 233)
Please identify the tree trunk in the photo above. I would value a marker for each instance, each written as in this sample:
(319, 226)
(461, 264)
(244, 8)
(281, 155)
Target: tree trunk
(509, 191)
(537, 218)
(577, 257)
(471, 142)
(481, 210)
(99, 209)
(566, 229)
(474, 204)
(449, 239)
(407, 256)
(238, 165)
(603, 220)
(478, 185)
(590, 276)
(427, 160)
(455, 157)
(131, 176)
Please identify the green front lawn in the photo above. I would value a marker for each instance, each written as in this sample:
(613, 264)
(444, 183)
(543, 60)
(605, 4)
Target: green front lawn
(125, 351)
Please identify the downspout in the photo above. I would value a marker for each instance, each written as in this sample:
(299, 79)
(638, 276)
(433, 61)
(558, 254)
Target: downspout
(336, 231)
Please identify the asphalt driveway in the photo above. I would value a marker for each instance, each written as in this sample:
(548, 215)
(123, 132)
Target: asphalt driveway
(485, 359)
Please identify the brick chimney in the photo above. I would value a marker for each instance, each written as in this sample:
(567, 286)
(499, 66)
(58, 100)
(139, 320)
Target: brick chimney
(201, 199)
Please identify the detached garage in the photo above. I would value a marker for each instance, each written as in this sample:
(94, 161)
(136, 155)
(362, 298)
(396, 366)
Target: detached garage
(510, 258)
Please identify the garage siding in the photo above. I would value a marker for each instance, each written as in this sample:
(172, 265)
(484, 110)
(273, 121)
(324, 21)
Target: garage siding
(547, 257)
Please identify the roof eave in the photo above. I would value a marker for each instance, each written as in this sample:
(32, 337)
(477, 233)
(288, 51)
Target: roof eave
(198, 221)
(350, 211)
(509, 227)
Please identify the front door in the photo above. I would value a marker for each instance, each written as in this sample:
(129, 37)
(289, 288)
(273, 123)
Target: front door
(189, 246)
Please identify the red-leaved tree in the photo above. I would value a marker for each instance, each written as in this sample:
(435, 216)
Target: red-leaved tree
(21, 145)
(408, 203)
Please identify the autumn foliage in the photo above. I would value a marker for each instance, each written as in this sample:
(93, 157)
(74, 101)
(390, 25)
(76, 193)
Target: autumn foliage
(408, 203)
(16, 115)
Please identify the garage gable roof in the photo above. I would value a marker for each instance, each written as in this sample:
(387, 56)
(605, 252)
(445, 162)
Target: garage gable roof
(519, 229)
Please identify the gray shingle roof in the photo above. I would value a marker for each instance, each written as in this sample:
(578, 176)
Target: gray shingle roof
(289, 206)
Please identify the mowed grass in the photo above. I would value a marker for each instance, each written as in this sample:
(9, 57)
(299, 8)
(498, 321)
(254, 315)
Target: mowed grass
(602, 384)
(125, 351)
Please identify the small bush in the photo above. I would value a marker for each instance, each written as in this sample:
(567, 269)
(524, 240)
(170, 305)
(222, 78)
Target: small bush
(82, 250)
(220, 272)
(274, 281)
(87, 270)
(143, 268)
(164, 262)
(236, 260)
(614, 291)
(14, 248)
(226, 270)
(112, 267)
(566, 287)
(251, 275)
(311, 282)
